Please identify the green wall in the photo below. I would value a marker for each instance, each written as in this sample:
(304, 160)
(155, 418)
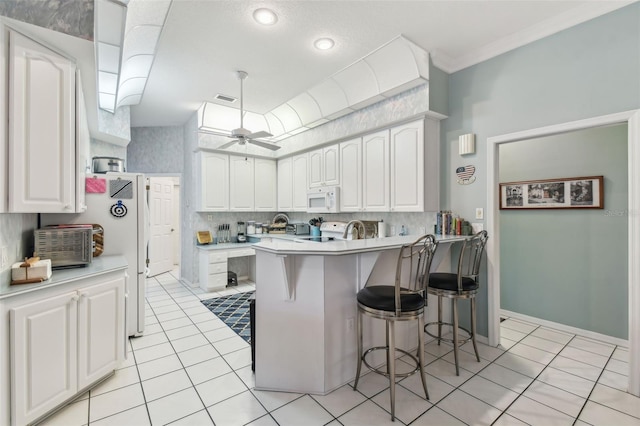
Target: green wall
(568, 266)
(586, 71)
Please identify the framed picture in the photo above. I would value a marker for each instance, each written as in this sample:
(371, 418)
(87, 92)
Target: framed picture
(562, 193)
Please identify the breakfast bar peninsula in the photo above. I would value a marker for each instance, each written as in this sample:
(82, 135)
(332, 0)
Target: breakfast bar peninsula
(305, 338)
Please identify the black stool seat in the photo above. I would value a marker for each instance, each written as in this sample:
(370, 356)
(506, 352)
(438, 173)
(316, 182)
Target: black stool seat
(382, 297)
(449, 282)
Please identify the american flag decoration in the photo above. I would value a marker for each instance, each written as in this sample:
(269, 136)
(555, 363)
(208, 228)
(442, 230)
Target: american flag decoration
(465, 175)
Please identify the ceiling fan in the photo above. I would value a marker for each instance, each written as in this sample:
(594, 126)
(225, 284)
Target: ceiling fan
(242, 135)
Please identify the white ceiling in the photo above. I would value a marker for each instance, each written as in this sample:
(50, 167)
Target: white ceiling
(204, 42)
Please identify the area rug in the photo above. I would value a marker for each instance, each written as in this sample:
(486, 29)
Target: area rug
(234, 311)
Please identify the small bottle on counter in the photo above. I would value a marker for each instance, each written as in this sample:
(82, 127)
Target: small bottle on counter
(403, 230)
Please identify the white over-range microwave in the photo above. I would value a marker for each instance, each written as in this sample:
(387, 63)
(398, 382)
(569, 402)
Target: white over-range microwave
(323, 200)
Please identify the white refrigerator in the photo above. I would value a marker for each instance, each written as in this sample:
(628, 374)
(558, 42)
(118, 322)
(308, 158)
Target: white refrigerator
(118, 203)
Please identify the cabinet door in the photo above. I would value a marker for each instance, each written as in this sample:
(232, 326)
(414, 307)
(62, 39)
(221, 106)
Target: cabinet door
(214, 181)
(407, 167)
(315, 168)
(285, 185)
(41, 129)
(43, 356)
(375, 171)
(351, 172)
(300, 185)
(331, 165)
(265, 185)
(101, 332)
(241, 184)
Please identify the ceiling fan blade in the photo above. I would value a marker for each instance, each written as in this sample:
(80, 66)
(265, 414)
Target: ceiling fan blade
(258, 135)
(264, 145)
(228, 144)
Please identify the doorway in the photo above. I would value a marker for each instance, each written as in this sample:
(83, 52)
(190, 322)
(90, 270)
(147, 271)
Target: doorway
(164, 223)
(493, 246)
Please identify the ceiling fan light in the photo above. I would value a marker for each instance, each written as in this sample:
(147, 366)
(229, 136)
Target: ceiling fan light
(324, 43)
(265, 16)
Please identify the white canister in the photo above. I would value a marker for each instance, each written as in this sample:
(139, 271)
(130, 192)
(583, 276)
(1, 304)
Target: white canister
(258, 228)
(251, 227)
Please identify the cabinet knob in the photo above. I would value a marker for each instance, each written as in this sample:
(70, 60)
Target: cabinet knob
(74, 298)
(67, 207)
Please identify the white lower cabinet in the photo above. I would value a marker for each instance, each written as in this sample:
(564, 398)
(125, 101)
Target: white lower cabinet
(61, 342)
(213, 266)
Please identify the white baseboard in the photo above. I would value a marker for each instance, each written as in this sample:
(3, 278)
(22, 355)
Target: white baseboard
(566, 328)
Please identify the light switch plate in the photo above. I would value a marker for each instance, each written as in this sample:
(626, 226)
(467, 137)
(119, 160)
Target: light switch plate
(479, 213)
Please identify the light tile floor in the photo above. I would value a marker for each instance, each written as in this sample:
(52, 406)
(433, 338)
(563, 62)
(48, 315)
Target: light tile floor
(189, 368)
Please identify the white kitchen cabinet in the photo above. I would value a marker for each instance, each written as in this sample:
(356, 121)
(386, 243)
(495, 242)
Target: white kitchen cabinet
(324, 167)
(265, 185)
(375, 172)
(300, 185)
(285, 185)
(214, 181)
(83, 143)
(241, 183)
(42, 129)
(4, 190)
(44, 356)
(60, 340)
(213, 266)
(414, 167)
(351, 173)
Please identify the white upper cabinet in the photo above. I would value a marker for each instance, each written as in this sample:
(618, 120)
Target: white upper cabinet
(375, 171)
(285, 184)
(351, 172)
(83, 145)
(414, 167)
(300, 166)
(241, 184)
(42, 125)
(324, 167)
(214, 181)
(407, 167)
(265, 185)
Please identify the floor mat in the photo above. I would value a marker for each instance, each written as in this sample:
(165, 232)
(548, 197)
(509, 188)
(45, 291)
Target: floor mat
(234, 311)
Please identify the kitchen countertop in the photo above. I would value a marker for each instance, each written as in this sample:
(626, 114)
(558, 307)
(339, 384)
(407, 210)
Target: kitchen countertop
(340, 247)
(257, 237)
(99, 265)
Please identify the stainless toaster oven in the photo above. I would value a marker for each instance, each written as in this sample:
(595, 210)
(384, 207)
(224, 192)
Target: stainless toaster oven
(297, 229)
(66, 245)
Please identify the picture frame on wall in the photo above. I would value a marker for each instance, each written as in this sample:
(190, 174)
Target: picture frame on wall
(560, 193)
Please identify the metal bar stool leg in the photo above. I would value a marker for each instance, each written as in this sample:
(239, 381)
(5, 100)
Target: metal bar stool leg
(454, 308)
(473, 327)
(439, 319)
(421, 354)
(391, 365)
(359, 331)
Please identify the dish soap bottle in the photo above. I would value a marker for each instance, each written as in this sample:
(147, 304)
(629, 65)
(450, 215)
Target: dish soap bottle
(403, 230)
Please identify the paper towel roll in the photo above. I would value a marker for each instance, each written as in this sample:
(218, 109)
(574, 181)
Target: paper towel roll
(382, 230)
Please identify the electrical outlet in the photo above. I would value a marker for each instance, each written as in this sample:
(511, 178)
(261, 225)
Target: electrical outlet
(392, 229)
(351, 324)
(479, 213)
(4, 258)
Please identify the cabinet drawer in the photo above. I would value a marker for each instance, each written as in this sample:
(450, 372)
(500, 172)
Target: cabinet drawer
(217, 268)
(217, 256)
(242, 252)
(218, 280)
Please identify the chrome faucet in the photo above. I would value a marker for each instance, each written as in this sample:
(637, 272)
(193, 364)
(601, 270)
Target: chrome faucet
(355, 222)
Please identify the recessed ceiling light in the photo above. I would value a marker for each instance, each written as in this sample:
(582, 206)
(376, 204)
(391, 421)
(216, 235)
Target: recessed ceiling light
(324, 43)
(265, 16)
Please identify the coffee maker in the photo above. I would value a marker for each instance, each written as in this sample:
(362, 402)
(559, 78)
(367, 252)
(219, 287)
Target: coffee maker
(241, 231)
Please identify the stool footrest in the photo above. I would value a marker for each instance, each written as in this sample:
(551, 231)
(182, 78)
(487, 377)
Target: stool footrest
(384, 373)
(444, 339)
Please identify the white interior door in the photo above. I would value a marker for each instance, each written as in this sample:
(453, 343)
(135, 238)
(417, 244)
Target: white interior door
(161, 224)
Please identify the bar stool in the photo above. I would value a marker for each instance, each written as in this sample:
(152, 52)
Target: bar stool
(402, 301)
(460, 285)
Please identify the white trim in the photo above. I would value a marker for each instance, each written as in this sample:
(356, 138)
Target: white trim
(493, 245)
(566, 328)
(555, 24)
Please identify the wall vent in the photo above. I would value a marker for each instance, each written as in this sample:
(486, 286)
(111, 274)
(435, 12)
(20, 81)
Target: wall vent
(225, 98)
